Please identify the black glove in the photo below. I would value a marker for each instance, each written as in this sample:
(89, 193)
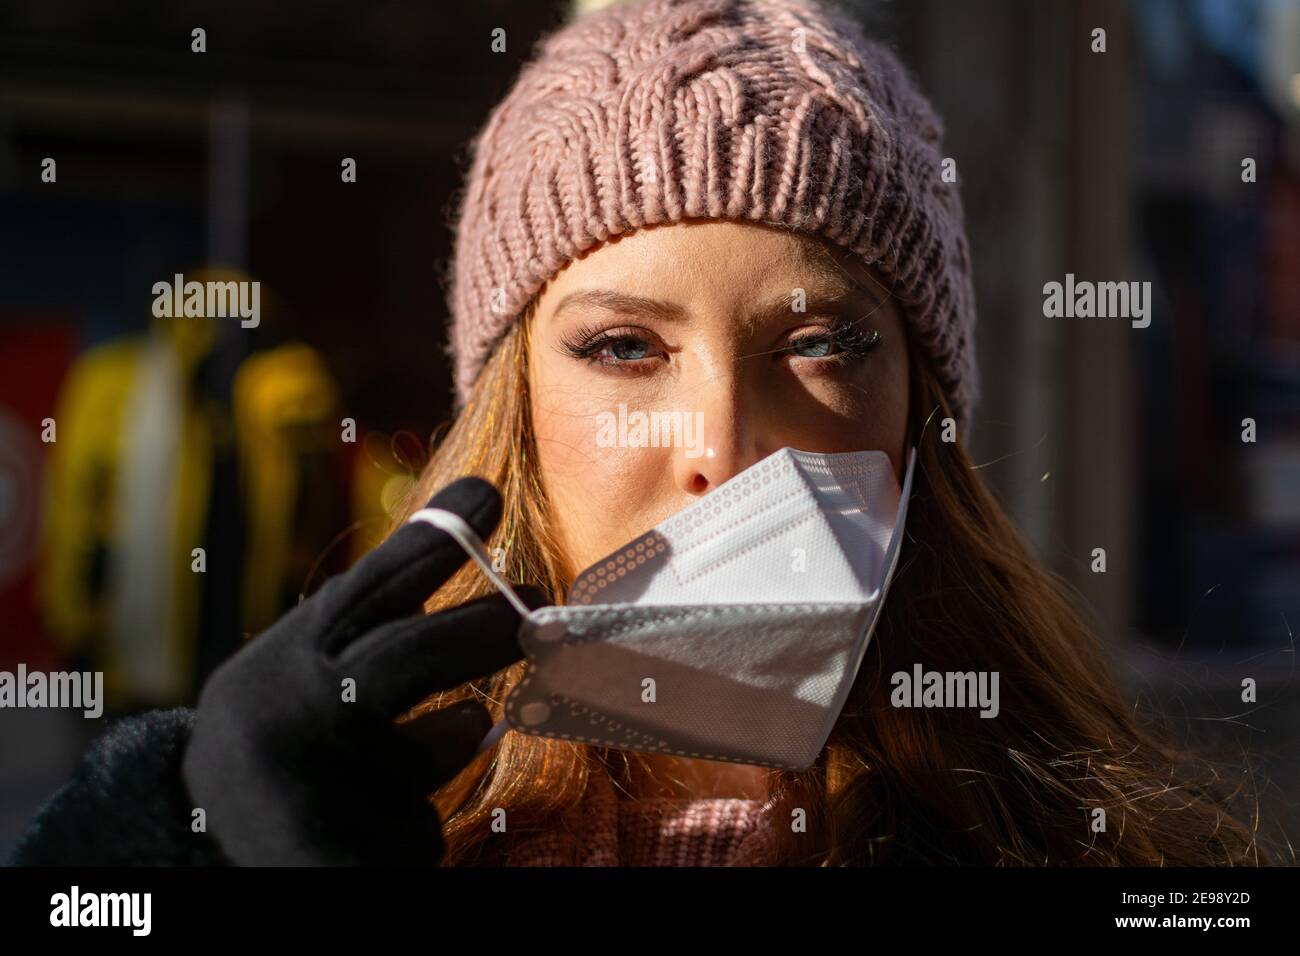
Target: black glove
(290, 773)
(125, 804)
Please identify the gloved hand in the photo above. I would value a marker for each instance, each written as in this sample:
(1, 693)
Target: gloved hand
(289, 772)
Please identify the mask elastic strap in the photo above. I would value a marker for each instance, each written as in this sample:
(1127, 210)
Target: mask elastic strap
(458, 528)
(900, 522)
(464, 535)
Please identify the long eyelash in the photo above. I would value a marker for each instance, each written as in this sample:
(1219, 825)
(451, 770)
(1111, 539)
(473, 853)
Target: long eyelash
(585, 341)
(853, 340)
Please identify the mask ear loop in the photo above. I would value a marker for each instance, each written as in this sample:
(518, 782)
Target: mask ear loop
(900, 521)
(458, 528)
(465, 536)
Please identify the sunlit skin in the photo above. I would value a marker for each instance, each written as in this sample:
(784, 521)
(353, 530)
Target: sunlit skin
(700, 319)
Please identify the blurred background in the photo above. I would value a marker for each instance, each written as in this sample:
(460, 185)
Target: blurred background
(1122, 165)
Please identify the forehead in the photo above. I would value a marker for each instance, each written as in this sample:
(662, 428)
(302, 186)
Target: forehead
(715, 255)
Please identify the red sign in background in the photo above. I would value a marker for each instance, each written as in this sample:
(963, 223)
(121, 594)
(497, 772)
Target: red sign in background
(35, 353)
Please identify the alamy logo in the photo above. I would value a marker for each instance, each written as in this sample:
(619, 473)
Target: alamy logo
(922, 688)
(102, 909)
(208, 300)
(655, 429)
(38, 689)
(1101, 300)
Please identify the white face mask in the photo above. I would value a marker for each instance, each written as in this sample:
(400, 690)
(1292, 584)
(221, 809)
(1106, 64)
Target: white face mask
(731, 631)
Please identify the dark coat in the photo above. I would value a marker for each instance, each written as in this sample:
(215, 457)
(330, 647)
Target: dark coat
(126, 804)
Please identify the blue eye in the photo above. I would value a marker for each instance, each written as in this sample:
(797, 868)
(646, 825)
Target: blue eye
(619, 347)
(842, 343)
(618, 350)
(818, 346)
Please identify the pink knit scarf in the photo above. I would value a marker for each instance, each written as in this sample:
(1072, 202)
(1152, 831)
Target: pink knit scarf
(610, 830)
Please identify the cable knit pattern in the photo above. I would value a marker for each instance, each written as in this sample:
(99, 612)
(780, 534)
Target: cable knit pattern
(775, 111)
(609, 830)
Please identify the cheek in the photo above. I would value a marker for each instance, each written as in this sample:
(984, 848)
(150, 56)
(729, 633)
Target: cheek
(600, 496)
(848, 410)
(564, 410)
(884, 406)
(885, 402)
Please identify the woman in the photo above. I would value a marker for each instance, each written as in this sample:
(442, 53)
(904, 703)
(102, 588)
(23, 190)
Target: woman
(733, 209)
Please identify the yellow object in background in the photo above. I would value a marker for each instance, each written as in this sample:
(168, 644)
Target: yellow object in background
(285, 407)
(129, 491)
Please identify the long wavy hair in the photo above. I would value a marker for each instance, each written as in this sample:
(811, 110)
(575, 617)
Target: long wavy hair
(893, 785)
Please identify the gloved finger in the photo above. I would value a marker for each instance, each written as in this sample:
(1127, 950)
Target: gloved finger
(397, 577)
(436, 746)
(399, 664)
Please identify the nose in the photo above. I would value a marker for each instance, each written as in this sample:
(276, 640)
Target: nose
(725, 432)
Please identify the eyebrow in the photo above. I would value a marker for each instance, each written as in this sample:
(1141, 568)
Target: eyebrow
(816, 303)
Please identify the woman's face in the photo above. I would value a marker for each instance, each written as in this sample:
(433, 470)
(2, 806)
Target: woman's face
(702, 319)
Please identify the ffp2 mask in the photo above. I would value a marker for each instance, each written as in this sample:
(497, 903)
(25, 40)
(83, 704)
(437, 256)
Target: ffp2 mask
(731, 631)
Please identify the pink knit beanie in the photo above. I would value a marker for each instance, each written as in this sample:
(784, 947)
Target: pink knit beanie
(775, 111)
